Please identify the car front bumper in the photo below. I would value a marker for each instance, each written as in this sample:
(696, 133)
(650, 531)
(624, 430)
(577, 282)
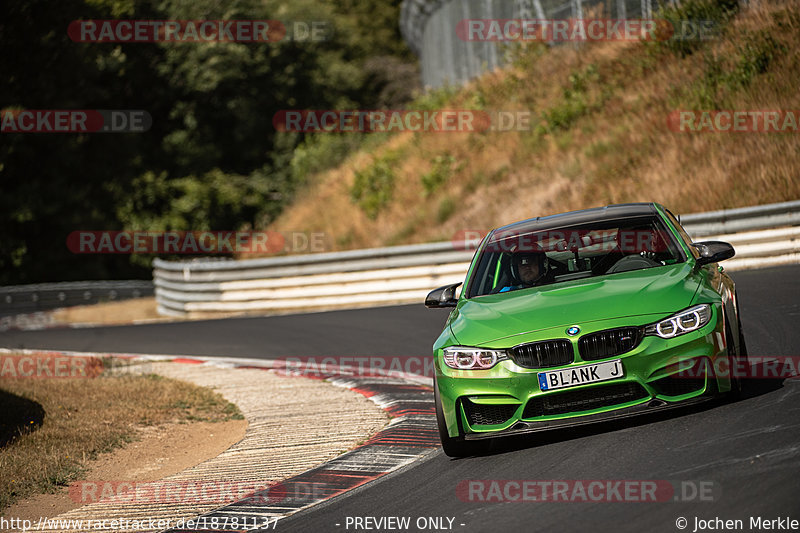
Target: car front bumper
(659, 374)
(649, 407)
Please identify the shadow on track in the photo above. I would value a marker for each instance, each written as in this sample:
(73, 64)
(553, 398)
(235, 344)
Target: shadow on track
(18, 416)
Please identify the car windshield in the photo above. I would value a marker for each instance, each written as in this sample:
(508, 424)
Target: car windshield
(520, 258)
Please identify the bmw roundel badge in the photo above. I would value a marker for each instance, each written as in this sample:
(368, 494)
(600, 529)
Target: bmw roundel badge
(574, 330)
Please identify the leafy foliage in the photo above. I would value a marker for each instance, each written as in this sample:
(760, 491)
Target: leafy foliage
(690, 19)
(723, 76)
(443, 167)
(374, 186)
(212, 159)
(575, 103)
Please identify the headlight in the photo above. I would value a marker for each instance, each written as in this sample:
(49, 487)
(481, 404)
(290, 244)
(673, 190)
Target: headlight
(689, 320)
(465, 358)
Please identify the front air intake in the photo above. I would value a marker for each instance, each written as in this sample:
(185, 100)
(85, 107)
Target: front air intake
(488, 414)
(584, 399)
(608, 343)
(543, 354)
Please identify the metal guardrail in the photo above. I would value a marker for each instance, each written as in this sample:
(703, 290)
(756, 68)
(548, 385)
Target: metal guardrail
(742, 219)
(316, 281)
(19, 299)
(406, 273)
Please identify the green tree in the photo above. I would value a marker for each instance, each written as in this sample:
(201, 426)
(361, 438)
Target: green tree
(212, 159)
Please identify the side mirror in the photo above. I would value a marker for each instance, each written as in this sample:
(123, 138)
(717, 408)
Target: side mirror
(713, 252)
(442, 297)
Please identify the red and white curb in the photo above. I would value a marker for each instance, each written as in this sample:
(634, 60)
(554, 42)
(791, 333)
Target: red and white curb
(411, 434)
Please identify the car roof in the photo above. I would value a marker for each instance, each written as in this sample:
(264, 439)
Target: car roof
(572, 218)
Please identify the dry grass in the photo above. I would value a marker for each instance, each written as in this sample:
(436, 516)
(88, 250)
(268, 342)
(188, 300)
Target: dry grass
(123, 312)
(73, 420)
(616, 149)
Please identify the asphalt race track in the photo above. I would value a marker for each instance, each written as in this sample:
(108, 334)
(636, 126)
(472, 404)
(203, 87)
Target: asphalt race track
(402, 330)
(769, 300)
(745, 454)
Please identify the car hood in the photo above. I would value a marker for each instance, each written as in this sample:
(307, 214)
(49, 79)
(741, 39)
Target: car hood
(660, 290)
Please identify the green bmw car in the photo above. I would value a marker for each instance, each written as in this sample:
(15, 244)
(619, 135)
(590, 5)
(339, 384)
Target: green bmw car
(582, 317)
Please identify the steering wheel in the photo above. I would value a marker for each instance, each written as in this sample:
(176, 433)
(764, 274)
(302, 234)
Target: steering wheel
(632, 262)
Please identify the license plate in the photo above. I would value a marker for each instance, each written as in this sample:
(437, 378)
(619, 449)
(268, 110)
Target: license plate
(580, 375)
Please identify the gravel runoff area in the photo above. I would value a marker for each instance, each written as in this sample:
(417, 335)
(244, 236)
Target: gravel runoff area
(294, 424)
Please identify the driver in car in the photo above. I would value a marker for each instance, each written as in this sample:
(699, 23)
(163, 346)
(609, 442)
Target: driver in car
(529, 268)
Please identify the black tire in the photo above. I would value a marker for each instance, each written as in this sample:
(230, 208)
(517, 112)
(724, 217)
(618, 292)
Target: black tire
(742, 349)
(455, 446)
(742, 344)
(737, 354)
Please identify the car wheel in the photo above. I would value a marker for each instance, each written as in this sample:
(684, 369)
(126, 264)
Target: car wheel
(742, 344)
(737, 354)
(454, 446)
